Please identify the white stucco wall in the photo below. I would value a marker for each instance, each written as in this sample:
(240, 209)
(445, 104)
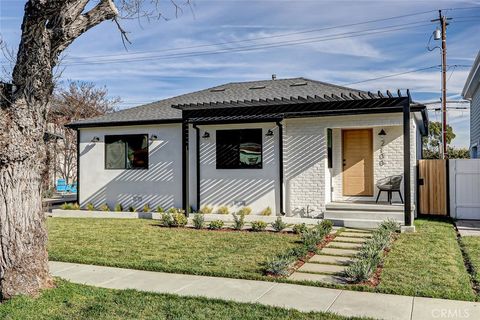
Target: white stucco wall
(160, 185)
(307, 179)
(256, 188)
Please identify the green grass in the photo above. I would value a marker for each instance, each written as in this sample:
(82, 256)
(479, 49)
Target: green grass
(472, 248)
(427, 263)
(72, 301)
(142, 244)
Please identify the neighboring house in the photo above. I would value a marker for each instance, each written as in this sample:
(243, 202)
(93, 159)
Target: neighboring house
(301, 147)
(471, 91)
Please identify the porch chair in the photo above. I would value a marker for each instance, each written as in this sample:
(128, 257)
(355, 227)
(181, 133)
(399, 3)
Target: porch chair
(389, 184)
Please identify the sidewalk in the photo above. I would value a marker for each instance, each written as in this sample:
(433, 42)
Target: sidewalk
(303, 298)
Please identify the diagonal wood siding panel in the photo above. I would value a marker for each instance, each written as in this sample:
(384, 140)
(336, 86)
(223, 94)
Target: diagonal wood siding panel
(433, 192)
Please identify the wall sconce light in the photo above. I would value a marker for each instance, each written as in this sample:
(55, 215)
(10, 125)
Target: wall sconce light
(206, 135)
(269, 133)
(153, 137)
(382, 133)
(95, 139)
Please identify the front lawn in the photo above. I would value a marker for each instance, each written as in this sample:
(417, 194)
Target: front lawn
(142, 244)
(427, 263)
(472, 247)
(72, 301)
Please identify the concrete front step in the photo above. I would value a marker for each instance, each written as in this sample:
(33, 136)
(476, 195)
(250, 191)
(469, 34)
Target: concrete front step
(339, 252)
(355, 235)
(344, 245)
(363, 214)
(322, 268)
(350, 239)
(338, 260)
(364, 206)
(300, 276)
(358, 223)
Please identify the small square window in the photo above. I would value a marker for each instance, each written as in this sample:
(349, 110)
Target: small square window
(239, 149)
(126, 151)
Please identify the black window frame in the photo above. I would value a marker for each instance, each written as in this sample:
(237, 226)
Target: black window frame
(113, 136)
(237, 133)
(330, 148)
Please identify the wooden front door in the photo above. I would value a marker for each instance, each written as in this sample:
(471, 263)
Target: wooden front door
(357, 162)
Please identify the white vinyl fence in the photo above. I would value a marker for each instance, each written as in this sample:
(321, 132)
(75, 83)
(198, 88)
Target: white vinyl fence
(465, 188)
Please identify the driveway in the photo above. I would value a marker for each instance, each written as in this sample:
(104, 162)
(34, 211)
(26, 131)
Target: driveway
(468, 227)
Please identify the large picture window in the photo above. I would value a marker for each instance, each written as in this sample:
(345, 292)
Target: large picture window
(239, 149)
(126, 151)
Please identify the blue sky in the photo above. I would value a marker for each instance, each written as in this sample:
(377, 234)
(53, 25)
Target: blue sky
(144, 74)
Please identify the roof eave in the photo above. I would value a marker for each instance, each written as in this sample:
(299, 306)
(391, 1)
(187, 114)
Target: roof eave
(80, 125)
(473, 79)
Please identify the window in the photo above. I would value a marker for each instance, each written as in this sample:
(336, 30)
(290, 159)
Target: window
(239, 149)
(126, 151)
(329, 148)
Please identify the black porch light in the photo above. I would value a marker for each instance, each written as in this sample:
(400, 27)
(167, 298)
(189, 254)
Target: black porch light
(382, 133)
(95, 139)
(206, 135)
(269, 133)
(153, 137)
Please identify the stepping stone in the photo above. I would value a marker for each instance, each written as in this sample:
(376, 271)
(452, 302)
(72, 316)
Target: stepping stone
(320, 258)
(355, 235)
(357, 230)
(321, 268)
(339, 252)
(300, 276)
(350, 239)
(346, 245)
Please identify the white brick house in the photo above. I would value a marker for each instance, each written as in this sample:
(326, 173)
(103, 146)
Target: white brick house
(297, 146)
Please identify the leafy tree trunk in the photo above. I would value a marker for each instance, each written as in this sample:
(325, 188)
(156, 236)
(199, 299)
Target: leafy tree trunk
(48, 28)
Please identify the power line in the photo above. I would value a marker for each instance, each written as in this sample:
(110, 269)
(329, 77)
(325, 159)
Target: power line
(269, 37)
(392, 75)
(265, 46)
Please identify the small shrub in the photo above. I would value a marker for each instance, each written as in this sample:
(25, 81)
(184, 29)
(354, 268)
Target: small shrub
(223, 210)
(104, 207)
(118, 207)
(279, 265)
(166, 220)
(258, 225)
(75, 206)
(215, 225)
(245, 211)
(198, 221)
(278, 225)
(310, 239)
(131, 209)
(266, 212)
(206, 209)
(179, 219)
(360, 270)
(66, 206)
(146, 208)
(299, 252)
(160, 209)
(299, 228)
(173, 210)
(238, 221)
(90, 206)
(390, 225)
(326, 225)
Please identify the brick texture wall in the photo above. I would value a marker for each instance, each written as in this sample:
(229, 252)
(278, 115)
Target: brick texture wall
(307, 178)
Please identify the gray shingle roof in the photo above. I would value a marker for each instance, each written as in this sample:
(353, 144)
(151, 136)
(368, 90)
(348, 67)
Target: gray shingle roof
(253, 90)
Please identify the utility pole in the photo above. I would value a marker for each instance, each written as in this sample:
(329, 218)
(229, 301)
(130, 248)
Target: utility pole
(443, 28)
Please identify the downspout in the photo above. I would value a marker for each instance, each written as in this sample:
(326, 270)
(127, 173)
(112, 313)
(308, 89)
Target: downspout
(197, 166)
(406, 163)
(78, 166)
(280, 164)
(185, 176)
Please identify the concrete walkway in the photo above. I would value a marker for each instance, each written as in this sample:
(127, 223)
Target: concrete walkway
(303, 298)
(328, 266)
(468, 227)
